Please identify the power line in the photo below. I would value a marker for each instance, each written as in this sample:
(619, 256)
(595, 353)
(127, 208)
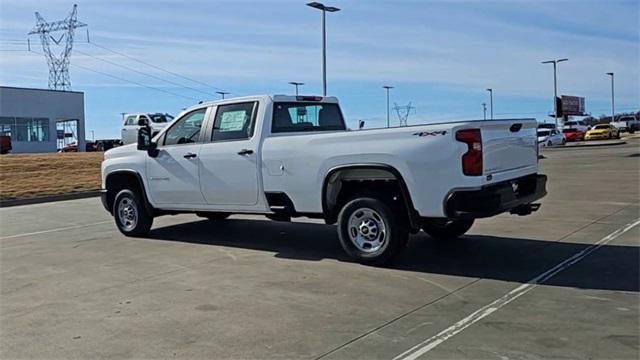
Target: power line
(143, 73)
(155, 66)
(127, 80)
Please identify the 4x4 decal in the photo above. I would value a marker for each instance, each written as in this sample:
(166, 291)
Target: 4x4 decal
(430, 133)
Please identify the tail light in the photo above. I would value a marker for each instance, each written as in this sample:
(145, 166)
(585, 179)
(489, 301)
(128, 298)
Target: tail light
(472, 159)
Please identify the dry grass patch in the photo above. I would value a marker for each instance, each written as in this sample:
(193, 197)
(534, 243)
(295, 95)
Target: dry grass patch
(31, 175)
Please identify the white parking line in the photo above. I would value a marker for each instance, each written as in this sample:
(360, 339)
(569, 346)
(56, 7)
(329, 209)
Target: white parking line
(54, 230)
(427, 345)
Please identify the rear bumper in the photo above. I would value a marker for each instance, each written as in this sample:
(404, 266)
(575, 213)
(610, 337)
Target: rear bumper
(516, 195)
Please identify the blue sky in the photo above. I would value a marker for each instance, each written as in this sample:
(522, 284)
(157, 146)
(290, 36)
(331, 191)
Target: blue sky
(440, 55)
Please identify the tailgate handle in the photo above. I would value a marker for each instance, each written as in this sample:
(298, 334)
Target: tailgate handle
(515, 127)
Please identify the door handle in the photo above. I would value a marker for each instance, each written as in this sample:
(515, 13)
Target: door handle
(245, 152)
(189, 155)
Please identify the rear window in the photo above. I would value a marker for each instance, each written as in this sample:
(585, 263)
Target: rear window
(299, 116)
(567, 131)
(543, 132)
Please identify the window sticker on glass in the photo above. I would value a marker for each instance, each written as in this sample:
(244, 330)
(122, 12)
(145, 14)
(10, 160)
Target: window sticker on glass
(233, 120)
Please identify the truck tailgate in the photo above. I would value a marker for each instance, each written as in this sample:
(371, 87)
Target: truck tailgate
(509, 145)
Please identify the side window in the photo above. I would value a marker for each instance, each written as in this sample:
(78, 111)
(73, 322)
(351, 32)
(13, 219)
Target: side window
(186, 130)
(144, 118)
(234, 122)
(131, 120)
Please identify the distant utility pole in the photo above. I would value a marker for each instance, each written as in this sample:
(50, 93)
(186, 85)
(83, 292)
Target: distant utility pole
(387, 87)
(324, 9)
(58, 63)
(296, 84)
(403, 113)
(613, 109)
(491, 101)
(555, 86)
(222, 93)
(484, 109)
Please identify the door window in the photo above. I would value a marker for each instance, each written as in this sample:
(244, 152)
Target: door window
(186, 130)
(131, 120)
(234, 122)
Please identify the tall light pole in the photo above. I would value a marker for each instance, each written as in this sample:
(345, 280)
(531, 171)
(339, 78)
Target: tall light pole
(387, 87)
(324, 9)
(613, 109)
(222, 93)
(555, 86)
(296, 84)
(491, 101)
(484, 109)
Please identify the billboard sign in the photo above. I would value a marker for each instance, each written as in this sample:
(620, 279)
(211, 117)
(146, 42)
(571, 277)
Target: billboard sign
(572, 105)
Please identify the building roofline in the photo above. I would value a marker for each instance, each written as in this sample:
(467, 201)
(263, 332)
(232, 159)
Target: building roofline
(36, 89)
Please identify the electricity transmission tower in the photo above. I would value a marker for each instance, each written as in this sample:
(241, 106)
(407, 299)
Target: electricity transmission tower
(403, 113)
(58, 62)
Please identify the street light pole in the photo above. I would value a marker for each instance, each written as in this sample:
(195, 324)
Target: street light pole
(555, 86)
(222, 93)
(613, 109)
(484, 109)
(491, 101)
(324, 9)
(387, 87)
(296, 84)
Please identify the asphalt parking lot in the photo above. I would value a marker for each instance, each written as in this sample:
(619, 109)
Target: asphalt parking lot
(248, 288)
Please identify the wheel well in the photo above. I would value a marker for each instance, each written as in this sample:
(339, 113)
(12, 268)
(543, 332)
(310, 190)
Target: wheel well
(378, 181)
(123, 180)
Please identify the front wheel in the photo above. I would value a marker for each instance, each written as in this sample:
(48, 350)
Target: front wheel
(563, 142)
(446, 228)
(370, 232)
(130, 213)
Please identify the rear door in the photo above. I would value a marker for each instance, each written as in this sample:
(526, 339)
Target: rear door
(229, 158)
(509, 145)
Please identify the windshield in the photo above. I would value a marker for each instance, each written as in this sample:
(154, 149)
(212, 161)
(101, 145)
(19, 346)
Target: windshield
(160, 118)
(570, 123)
(298, 116)
(600, 127)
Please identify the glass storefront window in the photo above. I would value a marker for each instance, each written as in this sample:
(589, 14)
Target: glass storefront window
(25, 129)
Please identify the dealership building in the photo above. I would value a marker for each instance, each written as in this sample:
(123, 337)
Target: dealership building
(41, 120)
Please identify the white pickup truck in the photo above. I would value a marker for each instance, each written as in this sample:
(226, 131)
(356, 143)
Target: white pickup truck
(291, 156)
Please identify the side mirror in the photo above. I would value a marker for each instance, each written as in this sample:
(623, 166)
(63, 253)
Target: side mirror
(144, 141)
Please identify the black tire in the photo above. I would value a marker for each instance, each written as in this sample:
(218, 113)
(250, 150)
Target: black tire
(549, 143)
(131, 214)
(391, 231)
(564, 142)
(442, 229)
(214, 216)
(618, 135)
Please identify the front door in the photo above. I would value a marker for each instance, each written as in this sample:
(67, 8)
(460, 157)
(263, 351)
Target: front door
(229, 158)
(173, 175)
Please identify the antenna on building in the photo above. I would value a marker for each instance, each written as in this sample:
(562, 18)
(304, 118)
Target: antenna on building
(403, 113)
(58, 62)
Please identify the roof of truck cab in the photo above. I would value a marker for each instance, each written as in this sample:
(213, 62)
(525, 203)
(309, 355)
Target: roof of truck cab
(277, 98)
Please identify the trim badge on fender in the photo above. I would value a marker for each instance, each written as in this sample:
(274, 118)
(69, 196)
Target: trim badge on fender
(430, 133)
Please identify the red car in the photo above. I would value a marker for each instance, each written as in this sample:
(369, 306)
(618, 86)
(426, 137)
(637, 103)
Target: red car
(573, 134)
(5, 144)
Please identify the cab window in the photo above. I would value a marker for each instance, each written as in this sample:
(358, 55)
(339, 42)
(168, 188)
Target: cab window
(131, 120)
(186, 130)
(297, 116)
(234, 122)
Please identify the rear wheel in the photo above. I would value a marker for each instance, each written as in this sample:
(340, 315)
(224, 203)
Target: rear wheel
(130, 213)
(370, 232)
(446, 228)
(549, 143)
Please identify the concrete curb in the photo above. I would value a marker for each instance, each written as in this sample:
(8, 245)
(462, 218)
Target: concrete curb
(587, 145)
(49, 198)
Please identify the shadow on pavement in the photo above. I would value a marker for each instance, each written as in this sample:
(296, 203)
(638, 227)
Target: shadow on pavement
(611, 267)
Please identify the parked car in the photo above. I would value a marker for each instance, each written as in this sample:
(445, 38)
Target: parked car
(580, 125)
(5, 144)
(290, 156)
(627, 123)
(573, 134)
(602, 131)
(550, 137)
(133, 122)
(89, 146)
